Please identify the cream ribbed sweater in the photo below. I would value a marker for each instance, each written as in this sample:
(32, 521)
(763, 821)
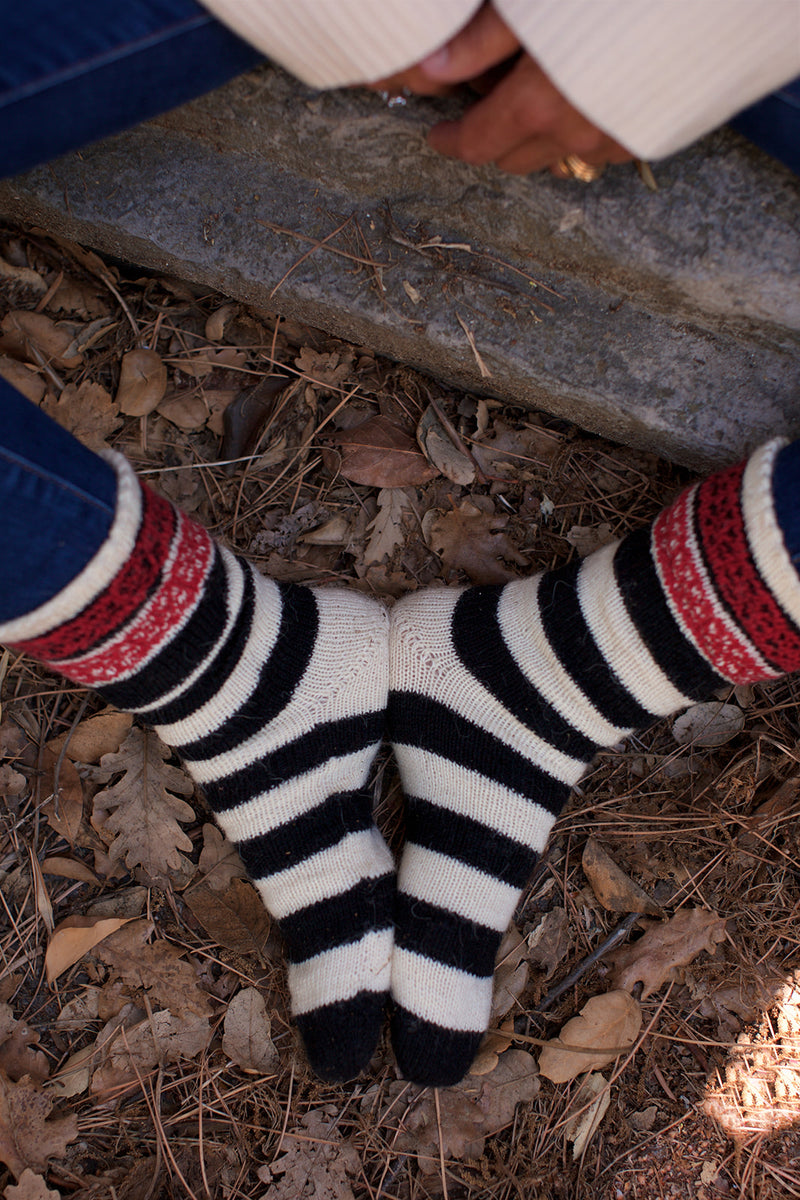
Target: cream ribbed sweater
(656, 74)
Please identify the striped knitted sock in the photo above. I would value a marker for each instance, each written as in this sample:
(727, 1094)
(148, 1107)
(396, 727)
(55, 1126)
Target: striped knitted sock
(499, 698)
(274, 696)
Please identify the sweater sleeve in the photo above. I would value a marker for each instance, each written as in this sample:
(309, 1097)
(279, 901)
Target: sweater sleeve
(657, 74)
(332, 43)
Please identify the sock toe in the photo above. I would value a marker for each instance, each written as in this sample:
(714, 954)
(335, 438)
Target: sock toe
(429, 1055)
(340, 1039)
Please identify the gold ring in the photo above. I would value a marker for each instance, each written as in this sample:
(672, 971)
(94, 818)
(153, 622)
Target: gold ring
(576, 168)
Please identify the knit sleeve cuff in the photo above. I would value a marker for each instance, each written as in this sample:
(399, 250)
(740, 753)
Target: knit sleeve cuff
(658, 75)
(349, 41)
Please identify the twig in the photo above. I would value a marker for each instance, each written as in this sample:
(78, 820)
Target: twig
(614, 938)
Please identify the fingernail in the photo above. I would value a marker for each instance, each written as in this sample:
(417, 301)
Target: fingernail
(437, 63)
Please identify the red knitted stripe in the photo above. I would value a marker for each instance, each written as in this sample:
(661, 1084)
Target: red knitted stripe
(126, 593)
(683, 578)
(721, 528)
(182, 586)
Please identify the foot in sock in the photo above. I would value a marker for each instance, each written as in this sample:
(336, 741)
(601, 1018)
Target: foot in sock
(500, 697)
(274, 696)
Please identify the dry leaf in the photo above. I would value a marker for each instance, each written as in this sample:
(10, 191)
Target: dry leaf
(21, 279)
(31, 1187)
(87, 411)
(235, 918)
(94, 737)
(187, 410)
(588, 538)
(246, 1039)
(23, 330)
(29, 1137)
(549, 941)
(386, 530)
(511, 973)
(162, 1037)
(23, 378)
(615, 890)
(509, 450)
(139, 814)
(607, 1026)
(245, 417)
(665, 947)
(219, 859)
(159, 969)
(594, 1092)
(331, 369)
(73, 938)
(12, 783)
(142, 382)
(69, 868)
(74, 1076)
(316, 1162)
(438, 448)
(708, 725)
(83, 299)
(470, 540)
(17, 1055)
(215, 324)
(380, 453)
(64, 811)
(470, 1112)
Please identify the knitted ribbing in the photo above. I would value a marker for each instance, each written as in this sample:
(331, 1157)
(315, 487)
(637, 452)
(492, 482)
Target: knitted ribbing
(274, 696)
(500, 697)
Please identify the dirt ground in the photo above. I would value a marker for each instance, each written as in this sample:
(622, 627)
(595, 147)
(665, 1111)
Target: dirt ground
(145, 1045)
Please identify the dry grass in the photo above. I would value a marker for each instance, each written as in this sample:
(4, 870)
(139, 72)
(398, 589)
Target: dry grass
(713, 828)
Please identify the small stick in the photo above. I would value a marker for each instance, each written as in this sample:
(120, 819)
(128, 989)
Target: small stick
(616, 936)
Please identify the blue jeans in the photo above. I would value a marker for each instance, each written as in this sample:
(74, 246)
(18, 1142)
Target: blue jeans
(72, 71)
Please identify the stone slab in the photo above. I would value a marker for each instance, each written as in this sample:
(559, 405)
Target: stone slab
(669, 320)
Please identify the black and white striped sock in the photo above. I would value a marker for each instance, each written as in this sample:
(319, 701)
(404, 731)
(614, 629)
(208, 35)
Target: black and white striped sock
(274, 696)
(500, 697)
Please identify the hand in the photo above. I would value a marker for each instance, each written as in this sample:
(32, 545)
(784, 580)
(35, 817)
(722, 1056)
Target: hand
(524, 123)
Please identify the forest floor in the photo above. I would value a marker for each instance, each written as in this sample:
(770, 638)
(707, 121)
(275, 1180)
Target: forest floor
(146, 1049)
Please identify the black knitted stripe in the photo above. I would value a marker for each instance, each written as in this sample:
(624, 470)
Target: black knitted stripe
(638, 582)
(419, 721)
(339, 920)
(278, 681)
(444, 937)
(480, 645)
(304, 754)
(566, 630)
(306, 835)
(470, 842)
(199, 636)
(429, 1055)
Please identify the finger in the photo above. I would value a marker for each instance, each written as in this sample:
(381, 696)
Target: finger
(482, 44)
(535, 154)
(522, 105)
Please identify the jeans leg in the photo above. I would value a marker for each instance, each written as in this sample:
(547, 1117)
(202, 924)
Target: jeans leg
(774, 124)
(58, 501)
(71, 73)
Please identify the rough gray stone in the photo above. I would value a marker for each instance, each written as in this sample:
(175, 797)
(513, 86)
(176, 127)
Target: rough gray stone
(670, 320)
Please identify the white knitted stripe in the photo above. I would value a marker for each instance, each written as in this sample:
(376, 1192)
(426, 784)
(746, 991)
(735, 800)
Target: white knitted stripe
(292, 798)
(440, 994)
(618, 639)
(332, 44)
(98, 572)
(346, 675)
(362, 855)
(343, 972)
(721, 624)
(423, 660)
(763, 533)
(234, 591)
(518, 614)
(470, 794)
(465, 891)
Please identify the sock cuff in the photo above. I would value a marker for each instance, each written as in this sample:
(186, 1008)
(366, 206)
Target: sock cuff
(135, 593)
(727, 575)
(98, 572)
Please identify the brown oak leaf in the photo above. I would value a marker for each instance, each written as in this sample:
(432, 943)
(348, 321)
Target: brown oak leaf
(139, 814)
(219, 859)
(29, 1136)
(87, 411)
(470, 540)
(665, 948)
(160, 970)
(380, 453)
